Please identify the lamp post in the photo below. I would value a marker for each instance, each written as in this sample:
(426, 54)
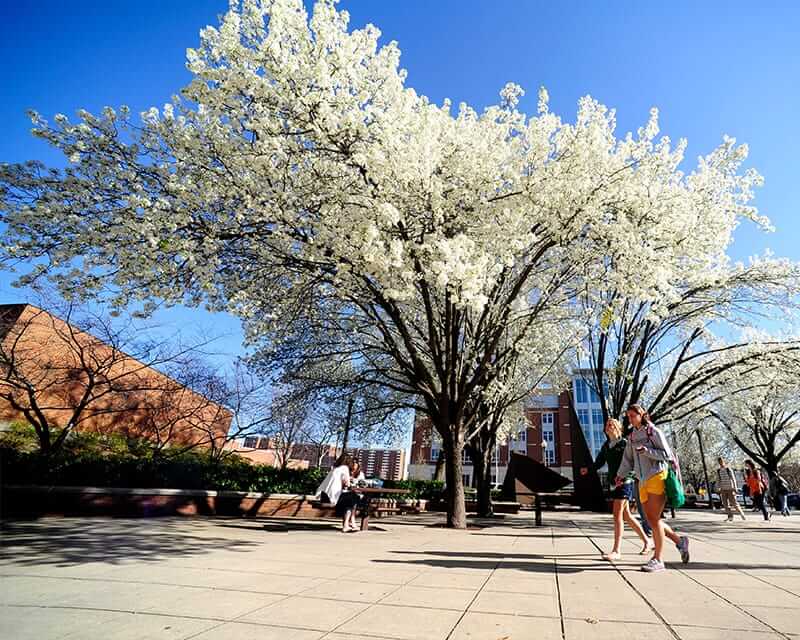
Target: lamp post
(705, 468)
(544, 451)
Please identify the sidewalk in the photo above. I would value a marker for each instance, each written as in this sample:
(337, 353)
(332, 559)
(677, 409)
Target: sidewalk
(406, 579)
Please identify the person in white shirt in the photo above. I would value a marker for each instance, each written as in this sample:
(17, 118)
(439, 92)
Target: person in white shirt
(333, 490)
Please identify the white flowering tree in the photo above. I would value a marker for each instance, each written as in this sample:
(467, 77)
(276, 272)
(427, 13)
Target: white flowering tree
(498, 414)
(763, 420)
(679, 355)
(297, 166)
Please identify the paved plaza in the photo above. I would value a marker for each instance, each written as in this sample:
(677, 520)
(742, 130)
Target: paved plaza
(406, 579)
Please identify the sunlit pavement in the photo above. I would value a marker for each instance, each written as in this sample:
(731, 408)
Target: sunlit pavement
(405, 579)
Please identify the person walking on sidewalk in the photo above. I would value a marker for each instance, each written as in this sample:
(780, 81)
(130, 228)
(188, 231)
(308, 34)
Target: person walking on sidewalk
(726, 486)
(611, 454)
(648, 455)
(758, 487)
(780, 489)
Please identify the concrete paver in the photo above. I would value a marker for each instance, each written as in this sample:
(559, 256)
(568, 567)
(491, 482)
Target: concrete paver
(406, 579)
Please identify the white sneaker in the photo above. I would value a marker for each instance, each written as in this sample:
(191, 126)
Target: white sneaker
(614, 555)
(653, 566)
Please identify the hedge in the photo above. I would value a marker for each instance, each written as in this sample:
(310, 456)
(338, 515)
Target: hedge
(186, 471)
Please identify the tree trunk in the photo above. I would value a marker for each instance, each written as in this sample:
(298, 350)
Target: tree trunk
(484, 486)
(348, 421)
(438, 472)
(456, 509)
(481, 453)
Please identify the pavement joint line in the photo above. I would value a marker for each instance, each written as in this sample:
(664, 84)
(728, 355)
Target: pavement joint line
(477, 593)
(558, 586)
(774, 586)
(201, 587)
(353, 617)
(733, 604)
(706, 540)
(631, 585)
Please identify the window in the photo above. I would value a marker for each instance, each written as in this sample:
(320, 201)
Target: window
(581, 391)
(465, 459)
(583, 418)
(494, 479)
(435, 451)
(263, 443)
(522, 436)
(496, 455)
(548, 437)
(466, 480)
(251, 442)
(597, 416)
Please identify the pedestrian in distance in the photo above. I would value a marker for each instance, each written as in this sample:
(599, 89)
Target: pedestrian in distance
(648, 455)
(780, 490)
(757, 486)
(611, 454)
(727, 488)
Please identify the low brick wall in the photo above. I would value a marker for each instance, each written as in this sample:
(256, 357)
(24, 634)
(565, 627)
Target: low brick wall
(17, 500)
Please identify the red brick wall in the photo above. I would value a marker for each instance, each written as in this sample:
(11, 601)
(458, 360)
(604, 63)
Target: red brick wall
(136, 400)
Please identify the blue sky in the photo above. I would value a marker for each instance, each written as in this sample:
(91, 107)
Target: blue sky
(711, 68)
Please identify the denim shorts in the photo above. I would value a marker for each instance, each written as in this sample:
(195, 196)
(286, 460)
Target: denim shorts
(622, 492)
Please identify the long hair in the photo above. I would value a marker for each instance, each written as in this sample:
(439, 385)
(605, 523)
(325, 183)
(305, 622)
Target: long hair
(343, 459)
(642, 412)
(617, 426)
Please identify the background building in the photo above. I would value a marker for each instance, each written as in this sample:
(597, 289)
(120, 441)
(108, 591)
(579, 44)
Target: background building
(52, 367)
(546, 439)
(387, 464)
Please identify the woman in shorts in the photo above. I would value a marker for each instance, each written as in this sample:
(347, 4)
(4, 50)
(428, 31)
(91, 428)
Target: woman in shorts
(611, 454)
(648, 455)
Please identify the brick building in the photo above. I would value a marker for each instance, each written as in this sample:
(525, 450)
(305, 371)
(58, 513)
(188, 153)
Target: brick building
(388, 464)
(67, 366)
(546, 438)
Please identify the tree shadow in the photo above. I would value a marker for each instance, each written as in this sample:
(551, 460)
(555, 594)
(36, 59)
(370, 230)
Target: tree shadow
(545, 566)
(67, 542)
(491, 554)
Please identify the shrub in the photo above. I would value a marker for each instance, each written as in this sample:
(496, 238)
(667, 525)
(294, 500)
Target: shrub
(121, 469)
(418, 489)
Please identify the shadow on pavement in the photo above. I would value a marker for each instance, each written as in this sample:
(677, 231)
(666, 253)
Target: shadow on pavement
(65, 542)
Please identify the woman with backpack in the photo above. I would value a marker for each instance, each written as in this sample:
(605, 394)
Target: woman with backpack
(648, 455)
(611, 454)
(758, 488)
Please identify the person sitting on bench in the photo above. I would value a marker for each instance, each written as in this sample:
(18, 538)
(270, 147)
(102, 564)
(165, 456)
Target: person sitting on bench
(333, 490)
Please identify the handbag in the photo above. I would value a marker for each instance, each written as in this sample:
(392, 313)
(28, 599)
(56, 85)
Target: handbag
(673, 488)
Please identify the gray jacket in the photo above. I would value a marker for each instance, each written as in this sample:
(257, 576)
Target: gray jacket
(653, 459)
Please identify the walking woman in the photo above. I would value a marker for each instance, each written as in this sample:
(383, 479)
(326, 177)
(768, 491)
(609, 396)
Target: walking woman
(780, 489)
(611, 454)
(647, 454)
(757, 487)
(727, 489)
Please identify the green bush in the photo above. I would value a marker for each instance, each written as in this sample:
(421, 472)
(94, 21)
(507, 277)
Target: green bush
(418, 489)
(116, 468)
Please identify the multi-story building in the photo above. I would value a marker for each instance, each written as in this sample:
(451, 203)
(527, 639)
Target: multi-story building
(388, 464)
(546, 437)
(588, 409)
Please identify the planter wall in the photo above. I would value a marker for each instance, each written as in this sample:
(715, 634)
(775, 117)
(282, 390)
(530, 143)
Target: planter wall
(22, 501)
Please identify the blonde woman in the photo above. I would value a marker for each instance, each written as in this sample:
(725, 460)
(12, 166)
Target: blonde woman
(611, 454)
